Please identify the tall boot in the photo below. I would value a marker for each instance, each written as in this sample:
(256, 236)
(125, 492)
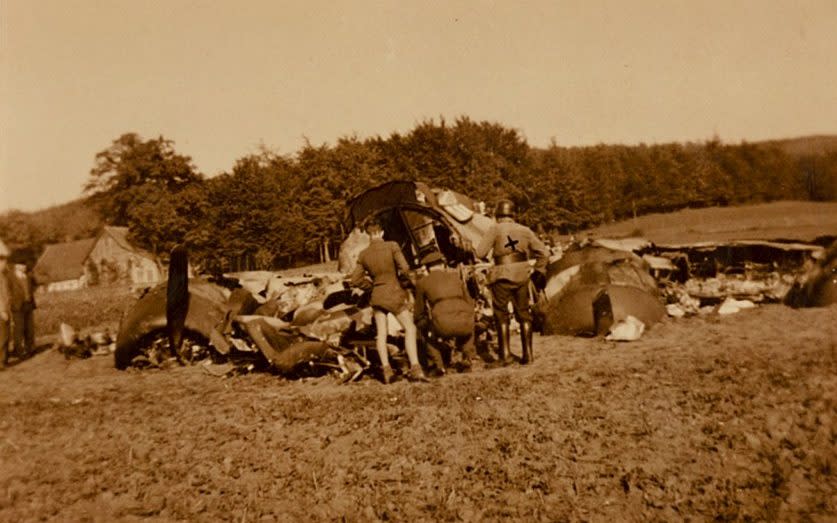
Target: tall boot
(503, 341)
(526, 343)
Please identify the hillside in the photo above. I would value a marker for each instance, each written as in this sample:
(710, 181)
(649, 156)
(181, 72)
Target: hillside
(26, 233)
(800, 221)
(78, 219)
(807, 145)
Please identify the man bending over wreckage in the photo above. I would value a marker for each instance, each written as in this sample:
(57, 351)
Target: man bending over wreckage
(384, 262)
(444, 310)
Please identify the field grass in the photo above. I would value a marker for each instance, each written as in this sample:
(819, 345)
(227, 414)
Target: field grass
(703, 419)
(706, 419)
(800, 221)
(92, 308)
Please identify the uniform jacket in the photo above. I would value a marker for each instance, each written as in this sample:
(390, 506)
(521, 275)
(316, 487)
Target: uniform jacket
(27, 286)
(5, 294)
(382, 261)
(508, 237)
(437, 286)
(16, 289)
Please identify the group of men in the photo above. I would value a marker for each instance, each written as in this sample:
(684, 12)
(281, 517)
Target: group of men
(444, 309)
(17, 306)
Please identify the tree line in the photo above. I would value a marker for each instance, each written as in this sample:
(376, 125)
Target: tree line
(272, 210)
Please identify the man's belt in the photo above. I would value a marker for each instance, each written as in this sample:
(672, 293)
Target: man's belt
(514, 257)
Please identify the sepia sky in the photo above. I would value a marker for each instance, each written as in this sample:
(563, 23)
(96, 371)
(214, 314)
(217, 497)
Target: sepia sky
(222, 77)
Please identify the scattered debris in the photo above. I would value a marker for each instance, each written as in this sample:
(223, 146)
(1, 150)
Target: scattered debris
(66, 335)
(313, 324)
(71, 345)
(731, 306)
(675, 310)
(629, 329)
(816, 286)
(594, 286)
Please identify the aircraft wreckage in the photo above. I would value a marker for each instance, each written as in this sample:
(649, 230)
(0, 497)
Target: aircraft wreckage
(313, 324)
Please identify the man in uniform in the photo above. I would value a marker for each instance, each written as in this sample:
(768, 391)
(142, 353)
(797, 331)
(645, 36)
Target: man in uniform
(384, 262)
(445, 309)
(513, 245)
(5, 307)
(23, 310)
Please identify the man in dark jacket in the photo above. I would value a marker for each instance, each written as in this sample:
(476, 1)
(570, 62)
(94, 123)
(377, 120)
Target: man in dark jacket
(5, 306)
(445, 308)
(23, 310)
(384, 263)
(513, 245)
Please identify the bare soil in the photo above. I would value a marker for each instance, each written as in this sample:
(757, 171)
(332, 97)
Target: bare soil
(706, 418)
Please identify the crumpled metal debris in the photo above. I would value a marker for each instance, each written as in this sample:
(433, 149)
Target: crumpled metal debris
(629, 329)
(731, 306)
(73, 345)
(817, 285)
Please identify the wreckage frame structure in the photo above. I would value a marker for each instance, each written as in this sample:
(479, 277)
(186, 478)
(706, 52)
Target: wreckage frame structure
(314, 325)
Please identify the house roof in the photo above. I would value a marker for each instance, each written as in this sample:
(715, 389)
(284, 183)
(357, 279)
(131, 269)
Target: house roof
(63, 261)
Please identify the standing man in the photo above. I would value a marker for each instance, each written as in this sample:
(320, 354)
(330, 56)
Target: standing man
(513, 245)
(384, 262)
(24, 322)
(5, 306)
(445, 308)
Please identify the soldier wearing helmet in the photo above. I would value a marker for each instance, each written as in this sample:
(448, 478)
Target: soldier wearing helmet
(512, 246)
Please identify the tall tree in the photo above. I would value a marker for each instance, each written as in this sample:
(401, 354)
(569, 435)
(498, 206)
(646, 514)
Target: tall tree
(122, 170)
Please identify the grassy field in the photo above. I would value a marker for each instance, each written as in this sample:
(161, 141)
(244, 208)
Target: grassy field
(96, 307)
(705, 418)
(800, 221)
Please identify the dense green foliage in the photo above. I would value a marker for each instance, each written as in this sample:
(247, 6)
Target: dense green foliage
(271, 210)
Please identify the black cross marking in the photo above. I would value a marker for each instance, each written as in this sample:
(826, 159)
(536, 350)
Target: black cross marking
(511, 244)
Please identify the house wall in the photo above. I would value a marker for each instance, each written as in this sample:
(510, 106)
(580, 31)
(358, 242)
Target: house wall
(144, 272)
(139, 270)
(67, 285)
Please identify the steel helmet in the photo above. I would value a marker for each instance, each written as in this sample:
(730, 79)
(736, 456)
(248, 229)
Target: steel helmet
(505, 208)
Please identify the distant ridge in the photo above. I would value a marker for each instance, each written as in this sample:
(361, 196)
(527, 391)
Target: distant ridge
(807, 145)
(56, 224)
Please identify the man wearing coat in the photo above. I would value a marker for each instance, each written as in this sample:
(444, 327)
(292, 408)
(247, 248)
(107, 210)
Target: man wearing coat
(5, 306)
(23, 310)
(445, 309)
(513, 245)
(384, 263)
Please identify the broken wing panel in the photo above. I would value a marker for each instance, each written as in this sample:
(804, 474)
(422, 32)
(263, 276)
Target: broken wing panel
(208, 313)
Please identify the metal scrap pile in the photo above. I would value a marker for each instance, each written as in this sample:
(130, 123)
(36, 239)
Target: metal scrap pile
(313, 324)
(727, 277)
(299, 326)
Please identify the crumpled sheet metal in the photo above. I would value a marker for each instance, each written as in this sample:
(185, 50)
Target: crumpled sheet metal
(283, 346)
(582, 276)
(334, 322)
(208, 315)
(573, 313)
(818, 287)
